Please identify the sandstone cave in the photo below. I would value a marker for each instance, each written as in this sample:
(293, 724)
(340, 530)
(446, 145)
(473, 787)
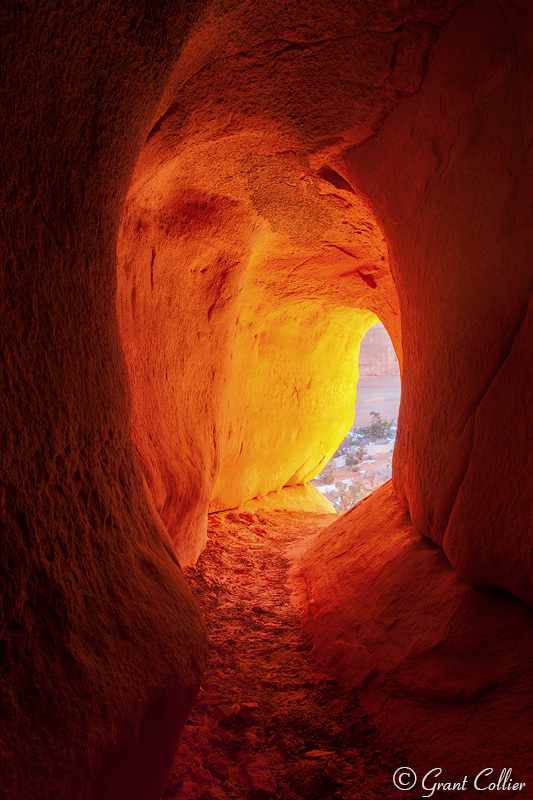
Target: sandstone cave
(204, 207)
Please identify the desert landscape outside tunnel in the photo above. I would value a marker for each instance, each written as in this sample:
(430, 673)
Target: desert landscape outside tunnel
(205, 206)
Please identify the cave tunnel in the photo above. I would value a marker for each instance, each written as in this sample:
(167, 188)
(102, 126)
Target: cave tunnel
(205, 206)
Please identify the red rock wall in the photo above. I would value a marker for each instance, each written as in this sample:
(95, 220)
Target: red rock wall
(443, 669)
(101, 642)
(296, 244)
(460, 236)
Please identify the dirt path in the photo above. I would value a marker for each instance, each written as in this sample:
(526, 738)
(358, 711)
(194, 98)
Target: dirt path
(267, 721)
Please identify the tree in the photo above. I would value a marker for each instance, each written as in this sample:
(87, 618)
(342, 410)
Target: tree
(378, 429)
(349, 493)
(327, 474)
(355, 456)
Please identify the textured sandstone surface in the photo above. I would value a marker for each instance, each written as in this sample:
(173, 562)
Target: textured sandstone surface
(302, 727)
(286, 423)
(443, 668)
(204, 207)
(304, 497)
(254, 370)
(244, 251)
(101, 642)
(462, 234)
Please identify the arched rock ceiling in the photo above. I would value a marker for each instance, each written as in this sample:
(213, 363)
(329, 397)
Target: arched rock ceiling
(306, 162)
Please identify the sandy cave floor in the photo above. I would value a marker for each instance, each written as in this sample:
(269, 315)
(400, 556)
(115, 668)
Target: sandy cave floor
(266, 711)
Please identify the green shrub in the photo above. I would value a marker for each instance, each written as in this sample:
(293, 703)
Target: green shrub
(378, 429)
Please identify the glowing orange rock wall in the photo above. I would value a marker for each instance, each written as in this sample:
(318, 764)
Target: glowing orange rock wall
(233, 371)
(258, 299)
(292, 396)
(312, 162)
(181, 259)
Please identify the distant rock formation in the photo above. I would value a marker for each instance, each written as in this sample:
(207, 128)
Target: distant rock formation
(377, 356)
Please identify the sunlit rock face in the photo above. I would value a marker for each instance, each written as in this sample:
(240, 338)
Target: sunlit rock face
(231, 369)
(302, 360)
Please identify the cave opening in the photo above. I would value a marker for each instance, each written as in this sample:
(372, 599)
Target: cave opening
(363, 460)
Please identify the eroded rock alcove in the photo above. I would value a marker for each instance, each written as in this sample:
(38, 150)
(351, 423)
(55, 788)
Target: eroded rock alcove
(204, 209)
